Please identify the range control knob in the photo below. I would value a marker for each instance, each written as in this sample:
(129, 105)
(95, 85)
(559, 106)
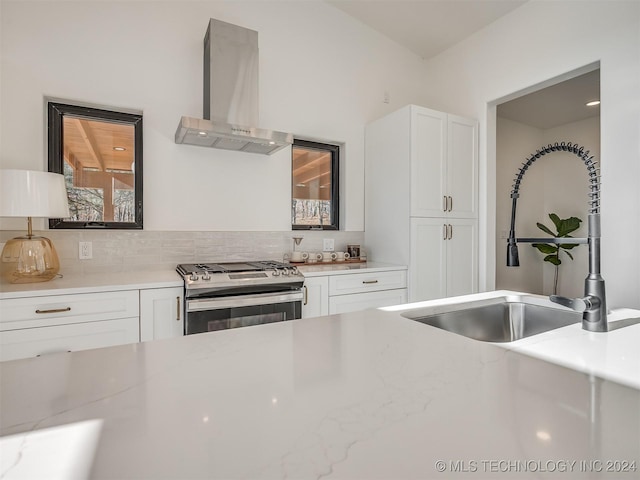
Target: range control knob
(285, 271)
(276, 272)
(206, 276)
(294, 271)
(193, 277)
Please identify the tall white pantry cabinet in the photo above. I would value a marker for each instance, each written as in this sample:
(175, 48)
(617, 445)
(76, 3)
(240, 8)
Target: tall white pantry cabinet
(421, 199)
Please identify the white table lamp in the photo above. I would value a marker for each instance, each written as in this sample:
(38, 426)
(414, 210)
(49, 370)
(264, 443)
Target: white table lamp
(27, 193)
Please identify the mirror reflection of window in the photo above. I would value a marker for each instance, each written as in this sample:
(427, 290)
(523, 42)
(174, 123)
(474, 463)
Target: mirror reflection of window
(99, 152)
(314, 185)
(99, 170)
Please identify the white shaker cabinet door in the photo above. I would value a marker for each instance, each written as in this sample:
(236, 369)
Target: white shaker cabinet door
(428, 162)
(316, 297)
(427, 273)
(161, 313)
(461, 244)
(462, 167)
(443, 258)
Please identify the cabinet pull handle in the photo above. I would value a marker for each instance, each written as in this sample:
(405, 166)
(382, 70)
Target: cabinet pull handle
(450, 203)
(177, 309)
(54, 310)
(444, 203)
(444, 231)
(450, 236)
(305, 295)
(49, 353)
(369, 281)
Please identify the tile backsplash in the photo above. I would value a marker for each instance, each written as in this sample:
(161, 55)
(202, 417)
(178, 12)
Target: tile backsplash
(122, 250)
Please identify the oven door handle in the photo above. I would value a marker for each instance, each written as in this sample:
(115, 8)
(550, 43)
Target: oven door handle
(243, 301)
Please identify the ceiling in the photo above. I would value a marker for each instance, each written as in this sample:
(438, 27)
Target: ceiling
(556, 105)
(426, 27)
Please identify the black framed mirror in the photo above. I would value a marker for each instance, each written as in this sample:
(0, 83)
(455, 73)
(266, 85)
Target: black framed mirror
(99, 152)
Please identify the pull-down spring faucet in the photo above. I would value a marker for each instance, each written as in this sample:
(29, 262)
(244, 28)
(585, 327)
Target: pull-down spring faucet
(593, 305)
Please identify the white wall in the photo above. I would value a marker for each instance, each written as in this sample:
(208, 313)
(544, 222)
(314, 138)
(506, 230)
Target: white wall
(322, 75)
(534, 43)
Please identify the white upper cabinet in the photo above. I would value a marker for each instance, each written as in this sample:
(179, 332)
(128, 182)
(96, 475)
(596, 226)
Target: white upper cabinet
(444, 158)
(428, 162)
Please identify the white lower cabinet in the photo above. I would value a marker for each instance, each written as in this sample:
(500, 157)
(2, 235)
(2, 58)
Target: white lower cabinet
(362, 301)
(350, 292)
(35, 326)
(161, 313)
(316, 297)
(443, 258)
(36, 342)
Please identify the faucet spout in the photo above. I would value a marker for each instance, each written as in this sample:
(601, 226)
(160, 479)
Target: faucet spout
(593, 305)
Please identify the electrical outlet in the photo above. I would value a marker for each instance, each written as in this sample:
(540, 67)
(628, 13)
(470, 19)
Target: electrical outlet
(85, 250)
(328, 244)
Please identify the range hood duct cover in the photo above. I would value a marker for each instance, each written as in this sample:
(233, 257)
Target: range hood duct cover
(230, 96)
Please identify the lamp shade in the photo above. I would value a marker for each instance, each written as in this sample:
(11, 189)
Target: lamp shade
(29, 193)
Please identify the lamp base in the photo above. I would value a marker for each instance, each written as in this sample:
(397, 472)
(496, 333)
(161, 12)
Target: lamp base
(29, 259)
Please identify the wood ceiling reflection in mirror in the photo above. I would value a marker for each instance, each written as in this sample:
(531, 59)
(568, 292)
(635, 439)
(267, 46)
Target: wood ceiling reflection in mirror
(311, 174)
(100, 154)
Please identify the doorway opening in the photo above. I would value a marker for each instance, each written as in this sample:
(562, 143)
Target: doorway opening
(559, 112)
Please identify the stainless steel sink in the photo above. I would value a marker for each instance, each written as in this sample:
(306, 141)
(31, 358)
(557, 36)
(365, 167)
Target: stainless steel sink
(503, 319)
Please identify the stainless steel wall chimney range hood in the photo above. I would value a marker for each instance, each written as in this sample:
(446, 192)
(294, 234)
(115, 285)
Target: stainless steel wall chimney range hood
(230, 96)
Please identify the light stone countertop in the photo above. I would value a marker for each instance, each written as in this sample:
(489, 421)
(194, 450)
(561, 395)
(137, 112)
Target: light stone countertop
(109, 282)
(321, 270)
(92, 283)
(363, 395)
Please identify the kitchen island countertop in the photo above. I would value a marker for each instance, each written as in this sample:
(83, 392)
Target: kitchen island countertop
(362, 395)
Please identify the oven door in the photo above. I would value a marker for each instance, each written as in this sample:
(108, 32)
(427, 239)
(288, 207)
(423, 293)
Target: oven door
(221, 313)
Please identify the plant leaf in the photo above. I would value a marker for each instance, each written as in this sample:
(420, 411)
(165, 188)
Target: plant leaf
(556, 220)
(545, 247)
(570, 256)
(545, 229)
(568, 246)
(553, 259)
(568, 225)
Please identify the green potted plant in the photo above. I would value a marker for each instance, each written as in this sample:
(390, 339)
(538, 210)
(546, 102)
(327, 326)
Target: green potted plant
(564, 226)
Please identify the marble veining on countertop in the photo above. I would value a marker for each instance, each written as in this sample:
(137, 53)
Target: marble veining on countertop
(367, 394)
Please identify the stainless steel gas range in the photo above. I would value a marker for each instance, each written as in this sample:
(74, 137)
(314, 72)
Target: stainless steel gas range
(219, 296)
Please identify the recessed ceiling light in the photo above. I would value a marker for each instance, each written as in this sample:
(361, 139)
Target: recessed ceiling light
(119, 149)
(204, 134)
(593, 104)
(301, 184)
(272, 143)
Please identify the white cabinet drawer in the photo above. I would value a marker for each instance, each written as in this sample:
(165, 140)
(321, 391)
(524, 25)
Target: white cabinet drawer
(367, 282)
(33, 342)
(362, 301)
(33, 312)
